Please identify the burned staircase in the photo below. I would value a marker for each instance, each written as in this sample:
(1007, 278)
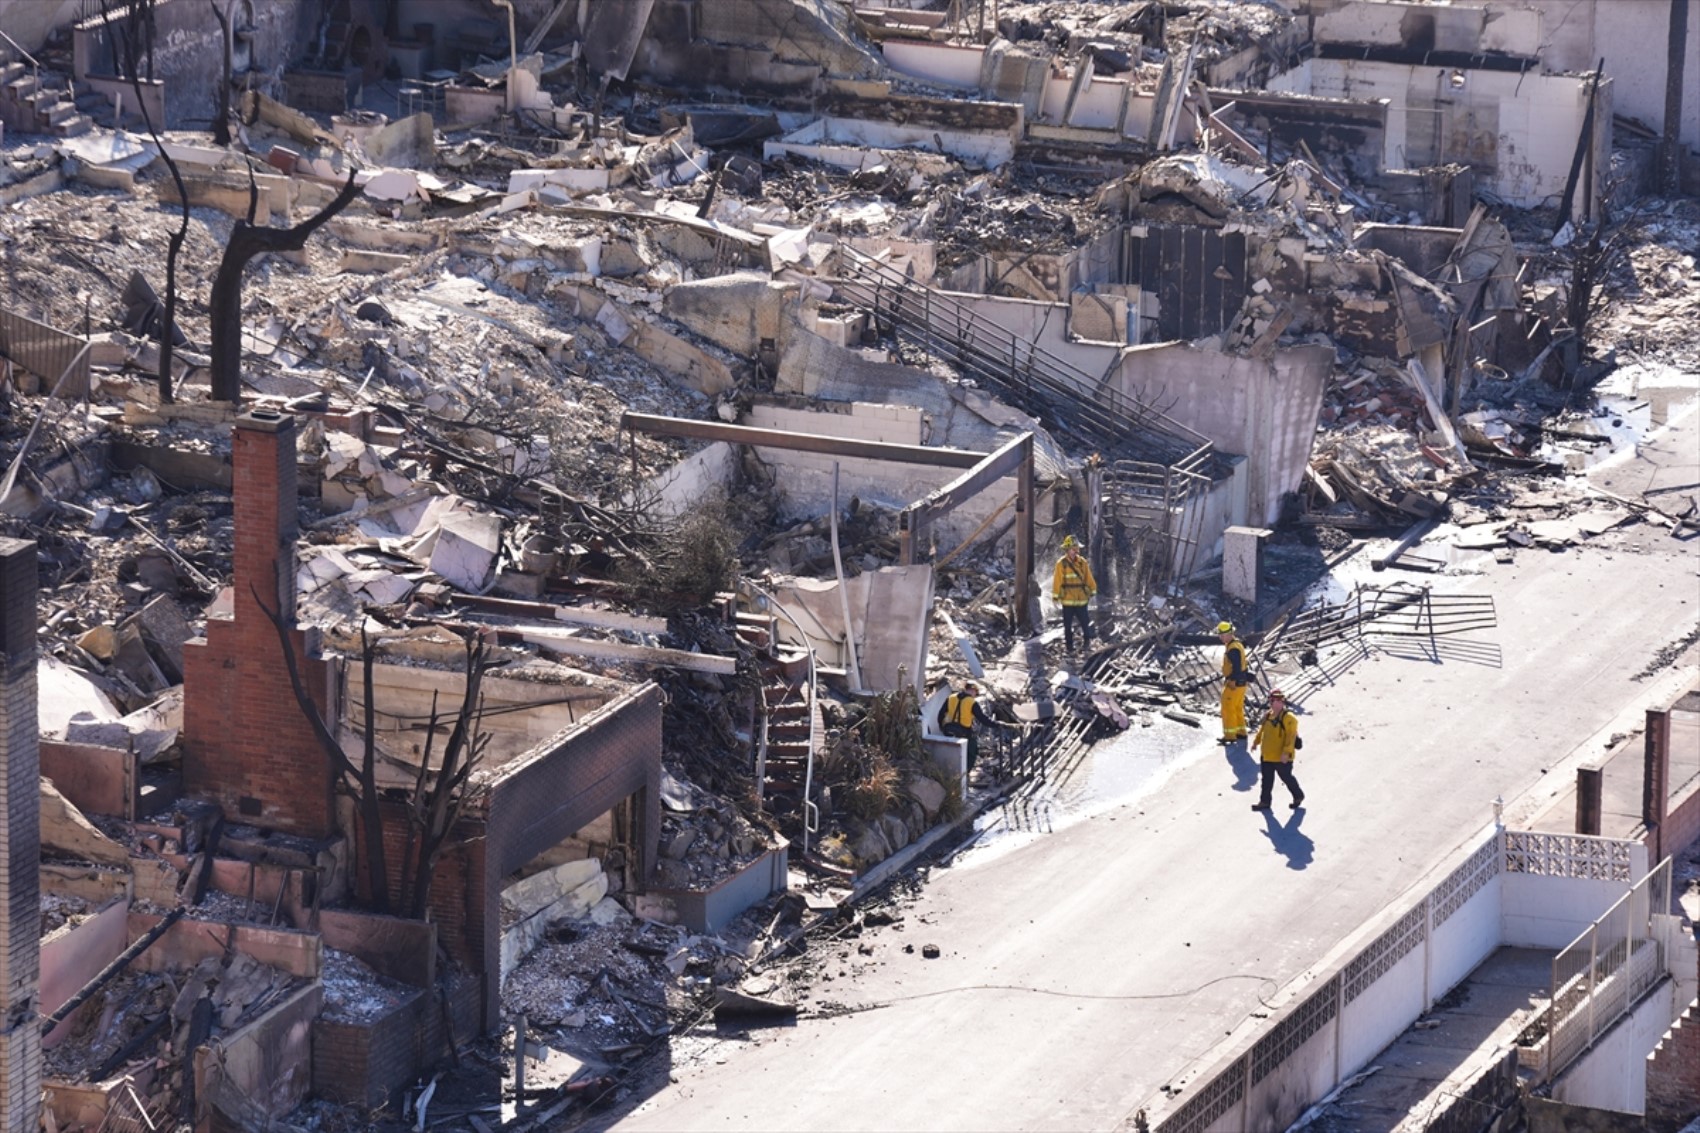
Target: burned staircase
(1158, 466)
(1065, 399)
(787, 724)
(29, 106)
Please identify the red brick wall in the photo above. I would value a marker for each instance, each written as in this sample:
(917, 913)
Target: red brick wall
(1673, 1075)
(370, 1064)
(246, 744)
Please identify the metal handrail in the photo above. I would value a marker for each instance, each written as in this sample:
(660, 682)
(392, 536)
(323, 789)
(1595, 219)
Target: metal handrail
(1050, 374)
(16, 46)
(1581, 1010)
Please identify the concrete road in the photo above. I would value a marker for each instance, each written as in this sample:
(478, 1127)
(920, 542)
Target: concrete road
(1089, 967)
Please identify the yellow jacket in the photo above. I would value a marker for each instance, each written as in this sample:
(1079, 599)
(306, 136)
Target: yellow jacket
(1072, 582)
(1276, 738)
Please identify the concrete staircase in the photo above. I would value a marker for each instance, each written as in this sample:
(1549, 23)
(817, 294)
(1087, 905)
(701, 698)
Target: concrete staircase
(27, 106)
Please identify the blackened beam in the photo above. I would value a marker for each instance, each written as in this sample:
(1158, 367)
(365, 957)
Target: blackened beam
(1006, 461)
(800, 442)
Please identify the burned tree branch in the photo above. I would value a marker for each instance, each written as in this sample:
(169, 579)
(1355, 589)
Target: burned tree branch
(248, 240)
(366, 775)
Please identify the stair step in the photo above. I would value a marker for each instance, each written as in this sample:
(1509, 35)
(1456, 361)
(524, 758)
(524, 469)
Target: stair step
(72, 127)
(57, 113)
(12, 70)
(22, 88)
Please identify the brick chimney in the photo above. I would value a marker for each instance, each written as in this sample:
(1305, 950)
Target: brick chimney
(20, 844)
(246, 744)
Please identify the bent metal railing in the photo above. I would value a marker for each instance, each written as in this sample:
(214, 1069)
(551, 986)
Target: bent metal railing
(1603, 973)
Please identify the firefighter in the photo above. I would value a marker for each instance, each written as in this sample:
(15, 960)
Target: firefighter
(959, 713)
(1235, 676)
(1278, 740)
(1073, 586)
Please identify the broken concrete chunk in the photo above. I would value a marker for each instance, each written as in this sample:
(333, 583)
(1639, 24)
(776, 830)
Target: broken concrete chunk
(929, 793)
(100, 642)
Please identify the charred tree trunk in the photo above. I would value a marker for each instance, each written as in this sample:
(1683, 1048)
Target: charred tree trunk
(435, 810)
(1670, 148)
(221, 112)
(128, 51)
(371, 814)
(248, 240)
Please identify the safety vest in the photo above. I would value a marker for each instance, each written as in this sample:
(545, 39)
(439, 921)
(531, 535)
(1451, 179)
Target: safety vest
(959, 710)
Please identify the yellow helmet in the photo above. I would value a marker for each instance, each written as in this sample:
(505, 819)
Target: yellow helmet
(1225, 627)
(1070, 541)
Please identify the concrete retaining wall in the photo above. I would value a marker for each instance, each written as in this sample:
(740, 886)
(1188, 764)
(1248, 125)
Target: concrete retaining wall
(1612, 1074)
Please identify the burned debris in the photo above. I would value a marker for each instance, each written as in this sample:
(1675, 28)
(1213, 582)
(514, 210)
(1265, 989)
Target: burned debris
(503, 520)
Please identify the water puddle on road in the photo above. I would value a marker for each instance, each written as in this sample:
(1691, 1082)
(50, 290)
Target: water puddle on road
(1633, 401)
(1113, 772)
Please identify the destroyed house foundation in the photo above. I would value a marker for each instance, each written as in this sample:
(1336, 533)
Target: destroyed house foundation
(250, 749)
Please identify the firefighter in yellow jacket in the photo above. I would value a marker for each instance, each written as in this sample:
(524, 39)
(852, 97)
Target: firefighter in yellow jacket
(1235, 676)
(1278, 740)
(1073, 586)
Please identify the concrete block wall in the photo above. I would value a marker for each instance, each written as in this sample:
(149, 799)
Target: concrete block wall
(20, 843)
(805, 478)
(246, 743)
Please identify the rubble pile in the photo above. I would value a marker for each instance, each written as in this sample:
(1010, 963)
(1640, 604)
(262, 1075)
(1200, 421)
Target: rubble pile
(144, 1020)
(1129, 227)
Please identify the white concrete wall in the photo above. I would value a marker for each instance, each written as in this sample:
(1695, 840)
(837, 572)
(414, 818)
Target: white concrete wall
(1633, 36)
(702, 476)
(1550, 912)
(1469, 936)
(947, 64)
(1533, 119)
(1043, 326)
(1612, 1074)
(1381, 1012)
(805, 478)
(1264, 409)
(31, 21)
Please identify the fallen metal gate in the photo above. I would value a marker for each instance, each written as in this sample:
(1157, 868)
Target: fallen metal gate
(1380, 612)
